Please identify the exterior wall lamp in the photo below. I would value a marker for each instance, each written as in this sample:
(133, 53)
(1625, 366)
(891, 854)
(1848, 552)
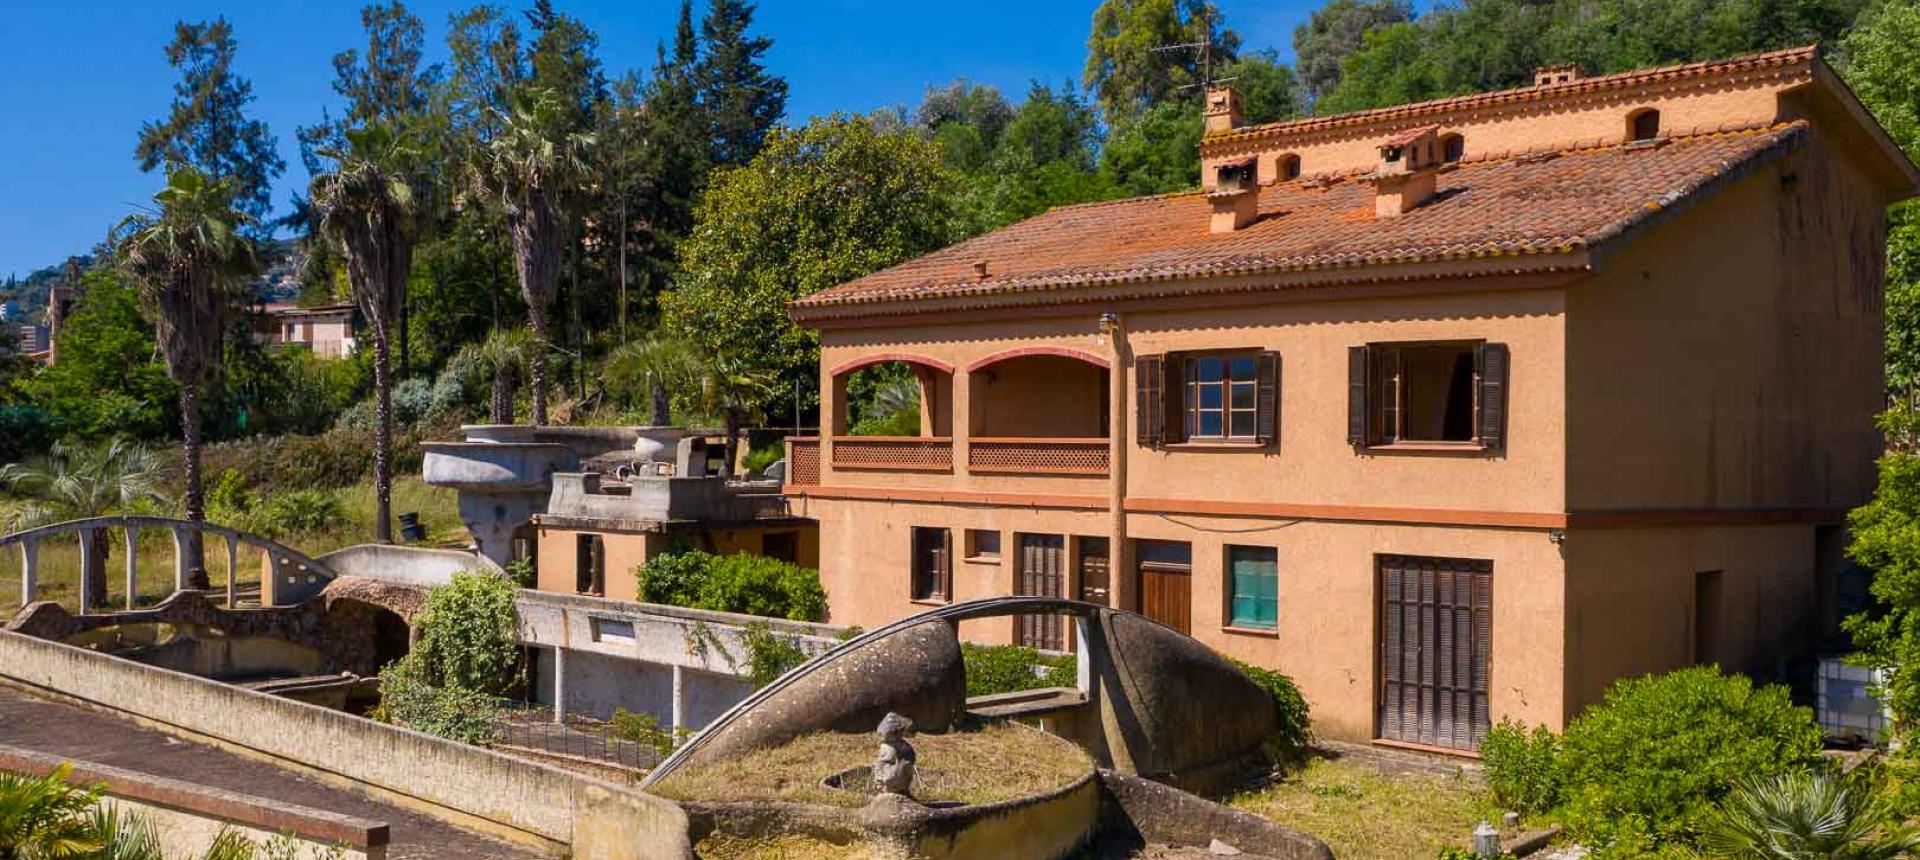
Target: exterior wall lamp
(1109, 322)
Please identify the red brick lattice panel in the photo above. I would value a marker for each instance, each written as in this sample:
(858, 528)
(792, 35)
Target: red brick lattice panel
(803, 460)
(927, 454)
(1039, 456)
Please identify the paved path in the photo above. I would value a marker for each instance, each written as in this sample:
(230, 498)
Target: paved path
(60, 729)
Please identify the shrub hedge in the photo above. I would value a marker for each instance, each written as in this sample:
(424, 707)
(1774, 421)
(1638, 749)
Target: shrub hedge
(1295, 730)
(749, 584)
(330, 460)
(993, 669)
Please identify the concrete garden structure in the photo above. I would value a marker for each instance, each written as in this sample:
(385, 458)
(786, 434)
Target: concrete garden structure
(1452, 411)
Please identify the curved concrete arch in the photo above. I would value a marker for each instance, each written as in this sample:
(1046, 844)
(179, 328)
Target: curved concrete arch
(1025, 351)
(1158, 703)
(864, 361)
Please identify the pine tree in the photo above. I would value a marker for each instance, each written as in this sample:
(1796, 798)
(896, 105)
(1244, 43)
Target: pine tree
(741, 98)
(387, 83)
(207, 126)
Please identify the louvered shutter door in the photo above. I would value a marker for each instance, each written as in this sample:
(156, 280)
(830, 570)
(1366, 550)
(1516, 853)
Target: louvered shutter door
(1267, 399)
(1493, 362)
(1173, 385)
(1148, 399)
(1357, 396)
(1436, 640)
(1482, 650)
(944, 582)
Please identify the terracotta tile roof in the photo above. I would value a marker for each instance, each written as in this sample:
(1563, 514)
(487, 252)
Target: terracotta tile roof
(1771, 61)
(1527, 205)
(1408, 136)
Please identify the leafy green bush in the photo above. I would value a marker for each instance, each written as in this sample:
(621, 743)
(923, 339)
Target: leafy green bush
(641, 728)
(770, 654)
(1523, 767)
(291, 512)
(330, 460)
(993, 669)
(1644, 767)
(467, 634)
(1295, 730)
(522, 572)
(758, 459)
(749, 584)
(408, 697)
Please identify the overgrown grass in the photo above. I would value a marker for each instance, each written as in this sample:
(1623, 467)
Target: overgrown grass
(59, 570)
(1366, 813)
(724, 846)
(999, 762)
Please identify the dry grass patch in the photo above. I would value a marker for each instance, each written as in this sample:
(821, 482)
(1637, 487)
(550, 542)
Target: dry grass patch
(1365, 813)
(1000, 762)
(721, 846)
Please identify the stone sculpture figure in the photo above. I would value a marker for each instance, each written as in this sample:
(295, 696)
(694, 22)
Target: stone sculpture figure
(893, 765)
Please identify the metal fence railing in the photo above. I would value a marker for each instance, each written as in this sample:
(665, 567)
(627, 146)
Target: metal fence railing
(530, 726)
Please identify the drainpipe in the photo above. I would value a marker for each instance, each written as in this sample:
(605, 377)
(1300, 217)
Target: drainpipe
(1120, 579)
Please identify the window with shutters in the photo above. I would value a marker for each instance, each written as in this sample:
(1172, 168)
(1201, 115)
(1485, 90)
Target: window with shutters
(1253, 587)
(1226, 397)
(1428, 393)
(932, 564)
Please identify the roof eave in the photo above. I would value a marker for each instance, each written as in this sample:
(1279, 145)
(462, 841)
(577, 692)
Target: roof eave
(1454, 272)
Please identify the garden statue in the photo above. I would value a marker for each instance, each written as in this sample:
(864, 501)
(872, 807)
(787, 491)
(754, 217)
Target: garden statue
(893, 766)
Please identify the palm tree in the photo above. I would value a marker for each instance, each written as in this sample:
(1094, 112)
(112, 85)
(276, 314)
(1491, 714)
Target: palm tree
(656, 364)
(43, 816)
(731, 388)
(501, 358)
(77, 482)
(185, 255)
(370, 206)
(1807, 815)
(534, 166)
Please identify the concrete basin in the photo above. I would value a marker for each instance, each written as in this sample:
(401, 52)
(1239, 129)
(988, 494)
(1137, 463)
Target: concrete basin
(495, 467)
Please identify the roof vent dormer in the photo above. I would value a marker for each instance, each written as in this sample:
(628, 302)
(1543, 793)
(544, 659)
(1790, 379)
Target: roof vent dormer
(1223, 109)
(1235, 196)
(1406, 176)
(1564, 73)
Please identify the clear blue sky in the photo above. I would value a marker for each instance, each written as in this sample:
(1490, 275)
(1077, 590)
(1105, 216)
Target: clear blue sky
(77, 78)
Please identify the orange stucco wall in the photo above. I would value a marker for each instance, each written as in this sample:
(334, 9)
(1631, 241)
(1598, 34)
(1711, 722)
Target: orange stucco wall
(558, 552)
(1326, 637)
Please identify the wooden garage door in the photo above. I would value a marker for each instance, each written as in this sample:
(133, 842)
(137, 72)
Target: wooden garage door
(1043, 573)
(1436, 624)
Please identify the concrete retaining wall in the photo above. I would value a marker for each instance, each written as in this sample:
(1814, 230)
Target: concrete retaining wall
(189, 817)
(598, 821)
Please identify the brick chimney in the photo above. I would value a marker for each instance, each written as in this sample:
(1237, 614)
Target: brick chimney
(1564, 73)
(1409, 168)
(1235, 195)
(1223, 109)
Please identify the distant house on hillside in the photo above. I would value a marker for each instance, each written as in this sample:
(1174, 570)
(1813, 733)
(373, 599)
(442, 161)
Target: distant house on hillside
(328, 330)
(1453, 411)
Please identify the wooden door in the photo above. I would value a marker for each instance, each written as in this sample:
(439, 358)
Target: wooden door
(1043, 569)
(1095, 570)
(1436, 630)
(1166, 596)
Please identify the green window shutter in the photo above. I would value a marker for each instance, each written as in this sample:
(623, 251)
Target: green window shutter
(1256, 587)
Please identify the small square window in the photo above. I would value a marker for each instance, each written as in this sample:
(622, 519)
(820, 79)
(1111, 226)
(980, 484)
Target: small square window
(1253, 587)
(1222, 399)
(983, 544)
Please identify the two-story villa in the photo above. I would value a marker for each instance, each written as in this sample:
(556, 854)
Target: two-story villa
(1452, 411)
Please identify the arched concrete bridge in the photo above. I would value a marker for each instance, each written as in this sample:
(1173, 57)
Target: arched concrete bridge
(287, 575)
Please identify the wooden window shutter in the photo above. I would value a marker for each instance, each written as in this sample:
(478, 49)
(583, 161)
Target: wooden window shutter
(1358, 414)
(1492, 418)
(1173, 388)
(1267, 399)
(1148, 399)
(943, 583)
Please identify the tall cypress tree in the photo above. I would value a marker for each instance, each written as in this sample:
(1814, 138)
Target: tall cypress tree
(741, 98)
(207, 126)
